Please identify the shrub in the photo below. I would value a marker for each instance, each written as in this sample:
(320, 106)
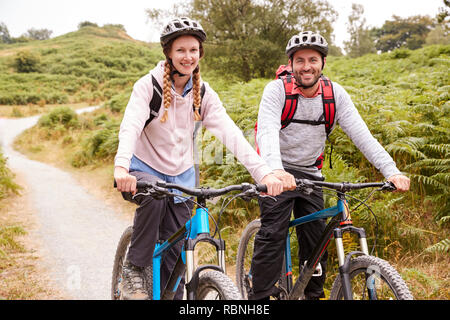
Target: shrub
(118, 102)
(26, 61)
(59, 116)
(7, 184)
(87, 24)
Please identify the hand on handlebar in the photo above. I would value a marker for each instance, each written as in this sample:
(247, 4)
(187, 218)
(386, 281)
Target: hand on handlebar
(125, 181)
(400, 181)
(274, 185)
(286, 178)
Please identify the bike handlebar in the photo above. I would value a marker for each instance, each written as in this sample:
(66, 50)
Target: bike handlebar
(344, 186)
(252, 190)
(208, 192)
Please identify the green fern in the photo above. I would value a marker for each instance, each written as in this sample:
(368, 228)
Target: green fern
(442, 246)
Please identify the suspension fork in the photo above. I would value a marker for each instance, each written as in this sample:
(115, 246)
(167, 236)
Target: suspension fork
(344, 261)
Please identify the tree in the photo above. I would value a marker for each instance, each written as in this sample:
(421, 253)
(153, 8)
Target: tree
(441, 33)
(361, 41)
(248, 38)
(410, 32)
(444, 14)
(4, 33)
(38, 34)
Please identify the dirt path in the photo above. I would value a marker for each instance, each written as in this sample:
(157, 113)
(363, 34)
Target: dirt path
(78, 233)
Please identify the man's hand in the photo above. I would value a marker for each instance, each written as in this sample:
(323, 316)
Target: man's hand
(286, 178)
(125, 181)
(400, 181)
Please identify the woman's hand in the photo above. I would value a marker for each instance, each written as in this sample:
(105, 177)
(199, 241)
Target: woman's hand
(274, 185)
(400, 181)
(125, 181)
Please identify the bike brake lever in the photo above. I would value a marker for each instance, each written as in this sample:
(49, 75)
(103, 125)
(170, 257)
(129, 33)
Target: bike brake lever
(267, 196)
(155, 191)
(249, 194)
(389, 186)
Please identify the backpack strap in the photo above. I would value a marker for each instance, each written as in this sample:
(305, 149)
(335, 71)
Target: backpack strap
(327, 118)
(155, 103)
(290, 101)
(202, 93)
(329, 110)
(329, 104)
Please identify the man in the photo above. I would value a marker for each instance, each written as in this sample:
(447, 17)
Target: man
(292, 152)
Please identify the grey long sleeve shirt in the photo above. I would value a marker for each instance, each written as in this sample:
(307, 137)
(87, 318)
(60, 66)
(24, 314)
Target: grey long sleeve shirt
(298, 146)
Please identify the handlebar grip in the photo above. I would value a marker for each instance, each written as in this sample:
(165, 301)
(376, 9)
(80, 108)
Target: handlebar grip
(139, 184)
(142, 184)
(261, 187)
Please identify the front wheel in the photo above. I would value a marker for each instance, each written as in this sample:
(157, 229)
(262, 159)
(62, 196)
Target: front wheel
(214, 285)
(244, 258)
(372, 278)
(119, 259)
(244, 263)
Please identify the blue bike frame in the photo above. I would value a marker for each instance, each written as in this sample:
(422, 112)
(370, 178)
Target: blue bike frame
(195, 230)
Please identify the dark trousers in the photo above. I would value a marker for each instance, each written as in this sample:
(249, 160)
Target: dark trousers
(156, 220)
(271, 238)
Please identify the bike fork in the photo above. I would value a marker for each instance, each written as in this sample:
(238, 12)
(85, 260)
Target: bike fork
(344, 261)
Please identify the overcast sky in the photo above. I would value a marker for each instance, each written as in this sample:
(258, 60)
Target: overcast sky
(62, 16)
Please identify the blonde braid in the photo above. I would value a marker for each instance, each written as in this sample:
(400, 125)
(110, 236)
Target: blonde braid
(197, 94)
(167, 85)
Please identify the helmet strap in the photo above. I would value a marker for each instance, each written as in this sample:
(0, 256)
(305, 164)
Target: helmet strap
(174, 70)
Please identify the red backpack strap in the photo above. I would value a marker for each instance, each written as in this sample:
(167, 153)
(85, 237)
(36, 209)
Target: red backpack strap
(290, 101)
(329, 104)
(329, 110)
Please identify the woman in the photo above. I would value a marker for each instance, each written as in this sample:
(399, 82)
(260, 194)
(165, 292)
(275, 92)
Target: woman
(163, 148)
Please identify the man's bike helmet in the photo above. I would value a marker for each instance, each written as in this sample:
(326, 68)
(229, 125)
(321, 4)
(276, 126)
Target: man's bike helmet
(182, 26)
(307, 40)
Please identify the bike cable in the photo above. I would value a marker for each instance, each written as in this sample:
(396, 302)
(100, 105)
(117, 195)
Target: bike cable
(222, 209)
(363, 202)
(333, 192)
(188, 198)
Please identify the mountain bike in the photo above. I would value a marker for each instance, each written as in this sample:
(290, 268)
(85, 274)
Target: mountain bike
(361, 276)
(206, 282)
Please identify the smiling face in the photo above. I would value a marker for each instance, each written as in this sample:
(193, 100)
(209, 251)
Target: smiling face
(185, 54)
(307, 65)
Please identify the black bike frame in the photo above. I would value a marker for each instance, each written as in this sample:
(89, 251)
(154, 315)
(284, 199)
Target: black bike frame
(340, 223)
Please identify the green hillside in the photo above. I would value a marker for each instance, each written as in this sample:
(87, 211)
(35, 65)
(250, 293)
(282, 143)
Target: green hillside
(88, 65)
(403, 96)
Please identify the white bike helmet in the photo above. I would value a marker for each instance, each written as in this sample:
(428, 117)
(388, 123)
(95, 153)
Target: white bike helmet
(181, 26)
(307, 39)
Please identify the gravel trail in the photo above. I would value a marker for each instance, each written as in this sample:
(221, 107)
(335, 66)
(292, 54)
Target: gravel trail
(78, 232)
